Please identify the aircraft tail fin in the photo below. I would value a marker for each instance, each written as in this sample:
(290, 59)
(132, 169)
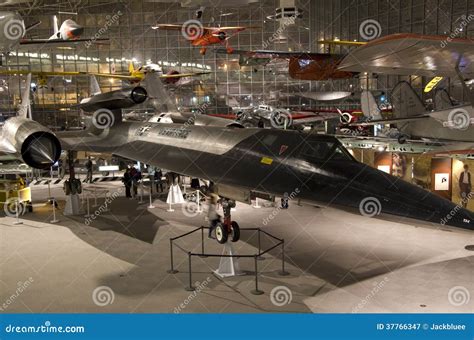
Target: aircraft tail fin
(55, 24)
(94, 86)
(24, 109)
(405, 102)
(131, 68)
(369, 106)
(158, 94)
(442, 100)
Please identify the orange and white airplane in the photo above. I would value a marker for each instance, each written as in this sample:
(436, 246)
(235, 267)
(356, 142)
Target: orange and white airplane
(202, 36)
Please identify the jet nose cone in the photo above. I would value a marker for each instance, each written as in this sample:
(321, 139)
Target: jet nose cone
(41, 151)
(374, 192)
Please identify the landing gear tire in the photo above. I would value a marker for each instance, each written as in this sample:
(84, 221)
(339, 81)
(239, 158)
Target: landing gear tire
(235, 231)
(221, 233)
(402, 139)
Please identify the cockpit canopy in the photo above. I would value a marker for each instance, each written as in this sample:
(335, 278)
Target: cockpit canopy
(323, 150)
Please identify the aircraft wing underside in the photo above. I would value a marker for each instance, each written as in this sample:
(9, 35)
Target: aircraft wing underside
(413, 54)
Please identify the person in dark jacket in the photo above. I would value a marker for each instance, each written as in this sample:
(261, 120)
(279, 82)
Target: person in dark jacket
(465, 185)
(89, 170)
(127, 181)
(158, 180)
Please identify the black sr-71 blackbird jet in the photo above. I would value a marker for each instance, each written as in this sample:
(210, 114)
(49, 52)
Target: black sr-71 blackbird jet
(238, 160)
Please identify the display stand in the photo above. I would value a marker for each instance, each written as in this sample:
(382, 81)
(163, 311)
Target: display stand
(175, 196)
(151, 206)
(17, 213)
(54, 220)
(256, 206)
(88, 213)
(73, 205)
(229, 264)
(198, 201)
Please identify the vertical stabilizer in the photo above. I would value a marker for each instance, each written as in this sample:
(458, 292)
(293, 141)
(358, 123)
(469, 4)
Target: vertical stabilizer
(369, 106)
(55, 25)
(94, 86)
(158, 94)
(131, 68)
(405, 101)
(442, 100)
(24, 109)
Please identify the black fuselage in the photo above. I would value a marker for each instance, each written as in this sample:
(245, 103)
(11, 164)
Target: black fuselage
(317, 167)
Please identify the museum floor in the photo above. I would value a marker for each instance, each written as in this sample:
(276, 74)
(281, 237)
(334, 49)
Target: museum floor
(338, 262)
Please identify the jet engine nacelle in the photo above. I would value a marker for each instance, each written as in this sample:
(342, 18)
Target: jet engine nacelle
(114, 100)
(35, 144)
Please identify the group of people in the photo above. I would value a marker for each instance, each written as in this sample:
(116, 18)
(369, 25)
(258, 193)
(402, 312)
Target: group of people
(131, 178)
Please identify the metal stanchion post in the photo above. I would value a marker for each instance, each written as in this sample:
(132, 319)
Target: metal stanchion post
(151, 206)
(54, 220)
(190, 288)
(202, 242)
(172, 270)
(256, 206)
(259, 246)
(17, 208)
(283, 272)
(49, 189)
(141, 193)
(88, 208)
(256, 291)
(198, 200)
(95, 199)
(106, 205)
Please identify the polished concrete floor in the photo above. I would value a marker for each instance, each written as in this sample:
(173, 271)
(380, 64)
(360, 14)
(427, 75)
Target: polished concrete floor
(338, 262)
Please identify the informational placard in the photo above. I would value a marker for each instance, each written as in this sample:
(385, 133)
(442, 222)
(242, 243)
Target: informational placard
(109, 168)
(441, 182)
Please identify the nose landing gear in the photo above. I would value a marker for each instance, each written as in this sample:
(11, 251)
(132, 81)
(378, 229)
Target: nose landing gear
(227, 227)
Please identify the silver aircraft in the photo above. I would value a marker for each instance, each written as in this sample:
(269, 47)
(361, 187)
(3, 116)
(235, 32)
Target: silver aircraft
(430, 56)
(13, 31)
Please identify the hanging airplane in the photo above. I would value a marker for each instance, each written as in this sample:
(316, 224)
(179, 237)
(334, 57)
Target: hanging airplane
(68, 32)
(13, 30)
(301, 65)
(204, 37)
(134, 76)
(413, 54)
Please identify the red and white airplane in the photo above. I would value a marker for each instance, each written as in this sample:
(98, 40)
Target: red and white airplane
(204, 37)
